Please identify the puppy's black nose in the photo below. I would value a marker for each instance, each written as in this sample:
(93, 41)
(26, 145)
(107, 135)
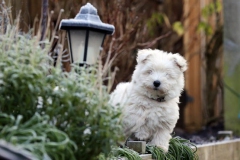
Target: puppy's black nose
(156, 83)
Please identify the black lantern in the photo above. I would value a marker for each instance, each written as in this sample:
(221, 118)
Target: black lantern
(86, 34)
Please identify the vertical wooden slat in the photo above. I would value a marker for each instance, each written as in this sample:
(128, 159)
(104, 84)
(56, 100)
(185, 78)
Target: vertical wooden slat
(192, 49)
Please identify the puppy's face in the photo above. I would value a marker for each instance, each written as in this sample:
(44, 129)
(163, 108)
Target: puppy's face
(159, 75)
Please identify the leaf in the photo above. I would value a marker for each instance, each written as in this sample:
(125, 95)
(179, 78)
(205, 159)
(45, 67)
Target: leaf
(205, 27)
(178, 28)
(211, 8)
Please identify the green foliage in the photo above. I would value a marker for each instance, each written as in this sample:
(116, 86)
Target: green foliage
(156, 152)
(76, 102)
(208, 11)
(211, 9)
(126, 153)
(179, 149)
(156, 20)
(178, 28)
(205, 27)
(23, 70)
(37, 136)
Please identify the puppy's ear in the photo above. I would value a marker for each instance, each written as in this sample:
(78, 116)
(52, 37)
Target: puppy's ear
(180, 62)
(143, 56)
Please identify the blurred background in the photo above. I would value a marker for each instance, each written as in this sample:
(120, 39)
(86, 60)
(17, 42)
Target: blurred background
(193, 28)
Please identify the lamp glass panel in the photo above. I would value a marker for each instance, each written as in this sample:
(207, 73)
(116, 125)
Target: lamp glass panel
(94, 46)
(77, 42)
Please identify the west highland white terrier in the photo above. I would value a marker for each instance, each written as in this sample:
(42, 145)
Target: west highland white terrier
(150, 101)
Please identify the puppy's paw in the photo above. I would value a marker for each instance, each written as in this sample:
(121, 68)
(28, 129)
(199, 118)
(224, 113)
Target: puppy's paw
(165, 149)
(142, 135)
(160, 145)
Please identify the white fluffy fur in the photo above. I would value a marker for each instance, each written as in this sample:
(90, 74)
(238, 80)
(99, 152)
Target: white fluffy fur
(143, 115)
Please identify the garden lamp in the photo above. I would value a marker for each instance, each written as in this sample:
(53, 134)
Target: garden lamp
(86, 33)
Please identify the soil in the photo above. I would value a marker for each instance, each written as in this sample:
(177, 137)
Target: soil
(207, 134)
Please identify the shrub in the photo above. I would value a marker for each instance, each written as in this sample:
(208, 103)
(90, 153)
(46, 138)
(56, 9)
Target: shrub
(37, 136)
(76, 102)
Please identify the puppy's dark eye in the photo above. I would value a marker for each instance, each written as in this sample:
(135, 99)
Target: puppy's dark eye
(169, 75)
(149, 71)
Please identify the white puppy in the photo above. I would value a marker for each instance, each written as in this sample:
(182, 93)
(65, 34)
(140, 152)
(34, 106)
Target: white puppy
(150, 100)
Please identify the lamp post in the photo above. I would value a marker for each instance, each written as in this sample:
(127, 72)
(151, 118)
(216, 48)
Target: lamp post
(86, 33)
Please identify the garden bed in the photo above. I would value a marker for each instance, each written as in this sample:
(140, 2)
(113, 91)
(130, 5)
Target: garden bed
(220, 150)
(225, 150)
